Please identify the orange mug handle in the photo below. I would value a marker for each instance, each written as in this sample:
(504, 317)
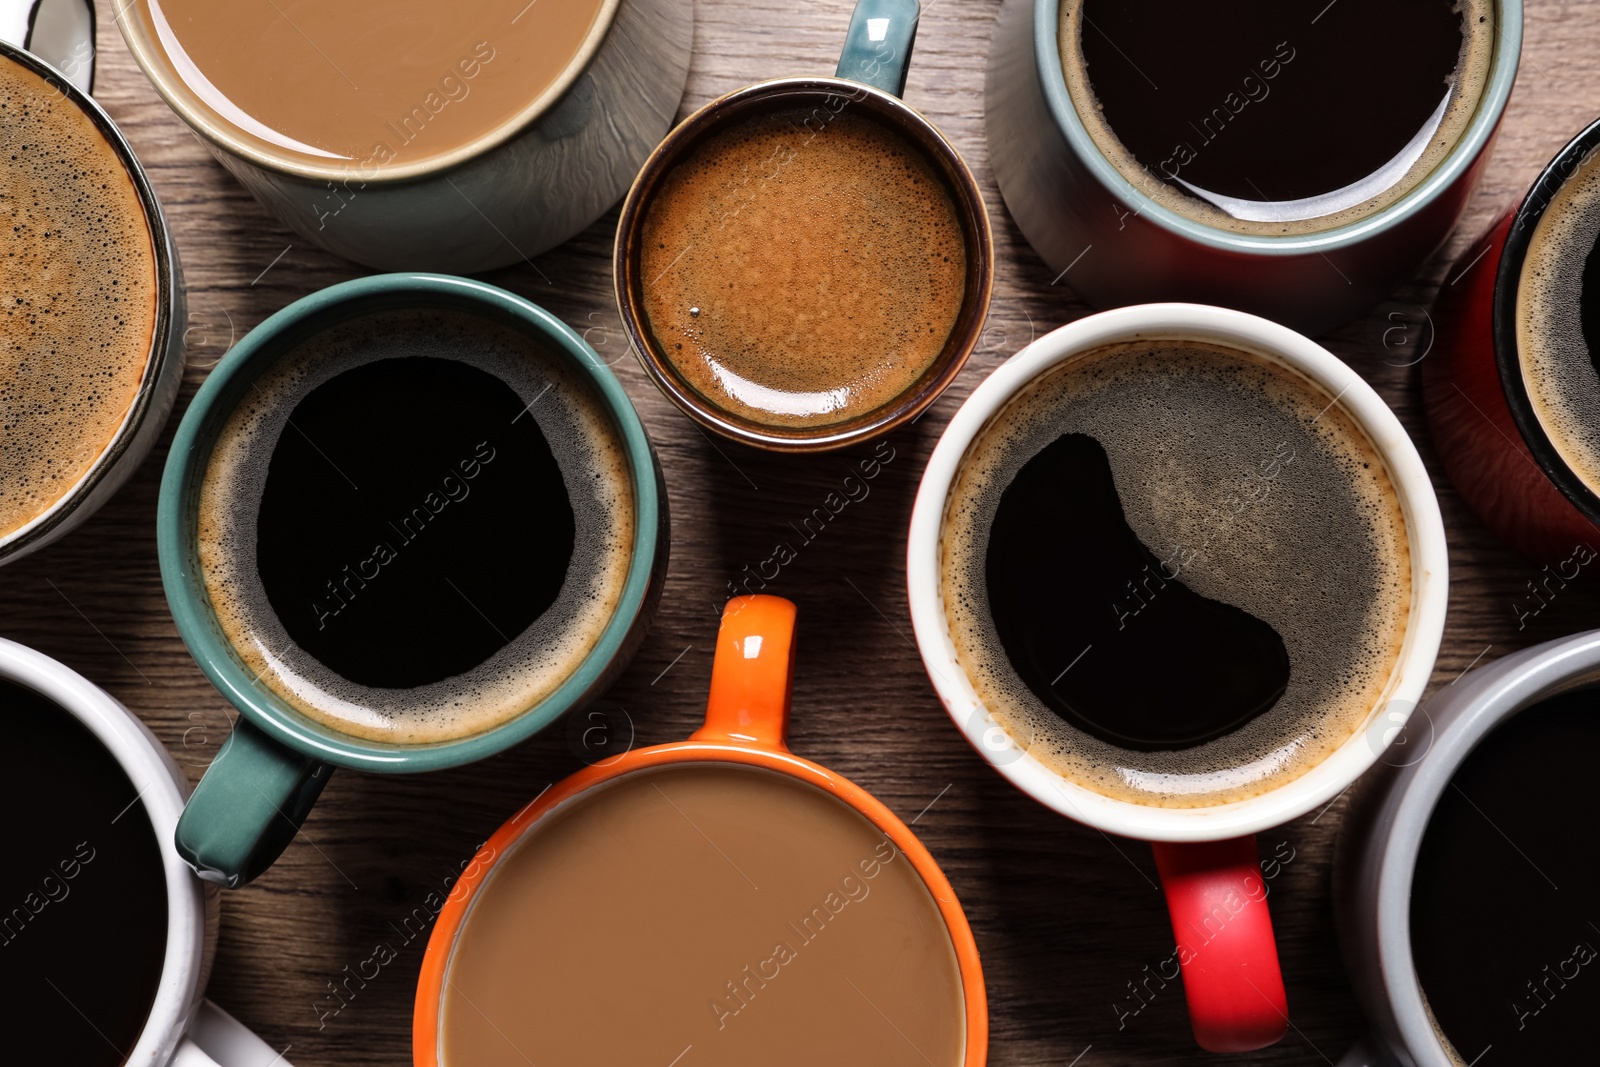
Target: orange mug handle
(751, 674)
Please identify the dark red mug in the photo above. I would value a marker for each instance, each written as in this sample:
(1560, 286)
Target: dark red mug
(1490, 440)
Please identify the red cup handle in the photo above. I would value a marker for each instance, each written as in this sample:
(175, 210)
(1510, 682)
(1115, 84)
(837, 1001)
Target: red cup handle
(1226, 950)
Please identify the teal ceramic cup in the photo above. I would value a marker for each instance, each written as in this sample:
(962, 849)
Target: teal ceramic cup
(268, 774)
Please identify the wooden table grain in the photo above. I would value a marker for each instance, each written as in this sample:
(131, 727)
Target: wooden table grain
(1064, 916)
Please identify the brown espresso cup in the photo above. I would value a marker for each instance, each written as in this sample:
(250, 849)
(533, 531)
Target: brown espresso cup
(847, 227)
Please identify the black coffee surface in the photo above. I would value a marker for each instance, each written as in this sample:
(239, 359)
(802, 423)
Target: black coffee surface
(1589, 305)
(83, 901)
(1263, 100)
(414, 521)
(1506, 898)
(1066, 575)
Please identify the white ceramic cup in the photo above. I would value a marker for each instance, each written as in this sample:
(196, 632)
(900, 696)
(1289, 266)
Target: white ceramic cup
(183, 1029)
(1378, 847)
(1204, 853)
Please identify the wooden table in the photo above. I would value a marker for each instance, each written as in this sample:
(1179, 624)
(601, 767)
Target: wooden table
(1064, 917)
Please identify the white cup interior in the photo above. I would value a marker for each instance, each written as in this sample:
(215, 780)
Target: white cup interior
(1424, 528)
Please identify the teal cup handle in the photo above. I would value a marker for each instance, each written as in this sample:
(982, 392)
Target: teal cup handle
(877, 48)
(248, 807)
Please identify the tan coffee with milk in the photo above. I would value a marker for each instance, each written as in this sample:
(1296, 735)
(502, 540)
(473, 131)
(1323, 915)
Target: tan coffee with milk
(403, 81)
(732, 912)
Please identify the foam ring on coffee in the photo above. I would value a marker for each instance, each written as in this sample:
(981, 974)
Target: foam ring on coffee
(594, 468)
(1322, 555)
(1558, 369)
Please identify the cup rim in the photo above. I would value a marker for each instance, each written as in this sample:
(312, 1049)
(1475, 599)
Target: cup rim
(222, 135)
(1425, 529)
(191, 451)
(442, 942)
(162, 788)
(1473, 141)
(1573, 157)
(43, 526)
(916, 398)
(1497, 694)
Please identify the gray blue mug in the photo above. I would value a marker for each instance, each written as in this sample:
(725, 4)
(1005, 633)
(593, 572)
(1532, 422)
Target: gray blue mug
(513, 192)
(1115, 245)
(1376, 863)
(270, 771)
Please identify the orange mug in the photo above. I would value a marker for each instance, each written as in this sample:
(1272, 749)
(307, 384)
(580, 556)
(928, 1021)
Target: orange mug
(746, 721)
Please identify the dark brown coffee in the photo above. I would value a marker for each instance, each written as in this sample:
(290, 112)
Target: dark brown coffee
(803, 268)
(1264, 117)
(416, 525)
(715, 914)
(1558, 323)
(78, 293)
(1176, 573)
(83, 893)
(1517, 982)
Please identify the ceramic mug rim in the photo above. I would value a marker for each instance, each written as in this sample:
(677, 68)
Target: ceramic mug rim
(1473, 141)
(160, 354)
(1508, 688)
(221, 134)
(191, 451)
(157, 780)
(910, 123)
(1319, 784)
(583, 784)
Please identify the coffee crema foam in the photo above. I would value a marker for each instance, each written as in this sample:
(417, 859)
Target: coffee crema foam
(803, 268)
(1318, 551)
(1558, 368)
(79, 293)
(594, 468)
(1472, 75)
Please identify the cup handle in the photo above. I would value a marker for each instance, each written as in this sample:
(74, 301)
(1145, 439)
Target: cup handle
(751, 674)
(1226, 950)
(248, 807)
(217, 1039)
(877, 48)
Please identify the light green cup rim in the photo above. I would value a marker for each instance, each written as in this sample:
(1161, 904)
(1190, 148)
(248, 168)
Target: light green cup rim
(1463, 155)
(191, 451)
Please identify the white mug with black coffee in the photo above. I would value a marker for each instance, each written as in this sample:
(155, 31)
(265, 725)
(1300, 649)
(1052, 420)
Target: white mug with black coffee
(1179, 574)
(106, 935)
